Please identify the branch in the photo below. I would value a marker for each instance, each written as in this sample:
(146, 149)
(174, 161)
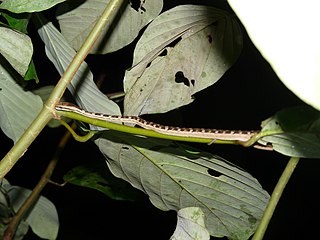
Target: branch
(275, 197)
(47, 111)
(34, 196)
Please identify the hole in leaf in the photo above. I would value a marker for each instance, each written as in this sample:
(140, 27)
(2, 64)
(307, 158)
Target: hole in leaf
(137, 5)
(180, 78)
(174, 42)
(148, 65)
(209, 38)
(163, 53)
(214, 173)
(170, 45)
(142, 8)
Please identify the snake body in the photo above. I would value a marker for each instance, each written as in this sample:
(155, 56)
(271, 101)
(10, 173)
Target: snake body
(214, 134)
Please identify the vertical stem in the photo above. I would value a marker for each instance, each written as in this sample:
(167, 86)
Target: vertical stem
(274, 199)
(21, 146)
(34, 196)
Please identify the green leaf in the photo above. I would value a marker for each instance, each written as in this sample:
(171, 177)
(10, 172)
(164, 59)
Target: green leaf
(76, 22)
(43, 218)
(20, 6)
(301, 132)
(85, 92)
(287, 35)
(98, 177)
(18, 108)
(190, 225)
(232, 200)
(184, 50)
(17, 21)
(31, 73)
(17, 48)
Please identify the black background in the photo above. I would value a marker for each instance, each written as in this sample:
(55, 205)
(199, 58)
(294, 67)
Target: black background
(247, 94)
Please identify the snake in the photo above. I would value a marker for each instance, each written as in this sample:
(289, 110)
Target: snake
(214, 134)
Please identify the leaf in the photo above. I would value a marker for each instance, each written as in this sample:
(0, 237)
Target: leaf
(288, 38)
(31, 74)
(76, 21)
(82, 87)
(20, 6)
(20, 232)
(5, 210)
(18, 108)
(231, 199)
(6, 213)
(301, 132)
(18, 21)
(17, 48)
(190, 225)
(43, 219)
(98, 177)
(182, 52)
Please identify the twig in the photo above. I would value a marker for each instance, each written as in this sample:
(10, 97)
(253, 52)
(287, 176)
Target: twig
(275, 197)
(21, 146)
(34, 196)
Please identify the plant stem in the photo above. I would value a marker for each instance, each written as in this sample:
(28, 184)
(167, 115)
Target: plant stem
(34, 196)
(274, 199)
(21, 146)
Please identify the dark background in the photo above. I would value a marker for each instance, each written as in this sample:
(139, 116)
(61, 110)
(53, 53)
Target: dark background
(247, 94)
